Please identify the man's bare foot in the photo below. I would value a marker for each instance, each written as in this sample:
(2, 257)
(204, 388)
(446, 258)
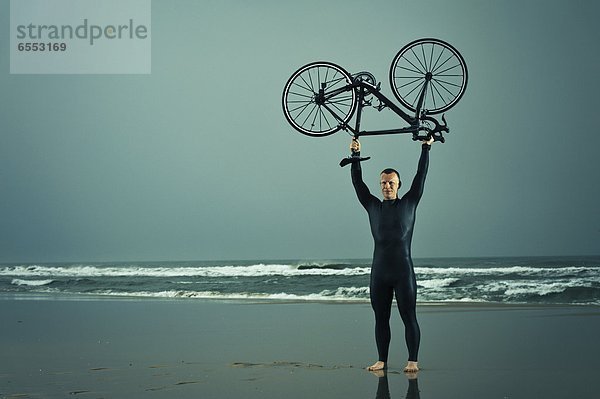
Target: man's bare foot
(411, 367)
(377, 366)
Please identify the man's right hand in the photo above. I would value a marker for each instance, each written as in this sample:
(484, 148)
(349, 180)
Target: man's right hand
(355, 145)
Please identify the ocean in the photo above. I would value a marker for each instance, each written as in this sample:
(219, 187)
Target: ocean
(517, 280)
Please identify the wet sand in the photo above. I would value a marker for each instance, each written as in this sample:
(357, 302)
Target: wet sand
(110, 348)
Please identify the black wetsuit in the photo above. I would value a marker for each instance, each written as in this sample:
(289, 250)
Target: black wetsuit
(392, 223)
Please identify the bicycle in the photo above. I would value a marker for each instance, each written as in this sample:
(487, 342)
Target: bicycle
(428, 77)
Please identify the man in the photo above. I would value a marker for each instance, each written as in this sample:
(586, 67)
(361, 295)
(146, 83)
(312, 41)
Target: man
(392, 221)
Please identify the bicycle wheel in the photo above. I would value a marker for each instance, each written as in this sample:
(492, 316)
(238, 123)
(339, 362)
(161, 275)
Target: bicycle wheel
(431, 65)
(317, 99)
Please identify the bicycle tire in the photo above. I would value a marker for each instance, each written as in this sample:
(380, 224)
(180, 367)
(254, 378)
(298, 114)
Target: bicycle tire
(432, 62)
(315, 115)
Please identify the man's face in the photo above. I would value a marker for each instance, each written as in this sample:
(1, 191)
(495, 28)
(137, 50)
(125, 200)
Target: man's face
(389, 186)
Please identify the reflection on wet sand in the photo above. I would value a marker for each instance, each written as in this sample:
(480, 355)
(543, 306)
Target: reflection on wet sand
(383, 389)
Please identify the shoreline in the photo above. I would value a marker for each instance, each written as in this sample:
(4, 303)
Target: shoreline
(6, 296)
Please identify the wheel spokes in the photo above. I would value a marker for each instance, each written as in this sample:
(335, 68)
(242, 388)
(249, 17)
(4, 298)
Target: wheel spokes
(316, 101)
(431, 62)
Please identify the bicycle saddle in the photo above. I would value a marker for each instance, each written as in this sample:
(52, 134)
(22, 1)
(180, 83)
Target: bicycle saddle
(353, 159)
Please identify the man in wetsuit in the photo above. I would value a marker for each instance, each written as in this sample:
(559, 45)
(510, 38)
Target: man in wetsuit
(392, 221)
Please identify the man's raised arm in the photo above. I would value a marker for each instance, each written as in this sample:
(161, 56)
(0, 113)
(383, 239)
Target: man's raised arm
(362, 191)
(418, 184)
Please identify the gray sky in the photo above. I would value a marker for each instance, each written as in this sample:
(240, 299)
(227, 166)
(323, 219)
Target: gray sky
(196, 160)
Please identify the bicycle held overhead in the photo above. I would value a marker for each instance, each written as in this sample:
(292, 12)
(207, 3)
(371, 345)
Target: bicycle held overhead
(427, 76)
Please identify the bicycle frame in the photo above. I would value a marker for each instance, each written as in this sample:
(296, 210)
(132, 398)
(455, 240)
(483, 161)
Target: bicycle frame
(415, 122)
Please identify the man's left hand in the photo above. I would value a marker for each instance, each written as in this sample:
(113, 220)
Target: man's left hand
(429, 141)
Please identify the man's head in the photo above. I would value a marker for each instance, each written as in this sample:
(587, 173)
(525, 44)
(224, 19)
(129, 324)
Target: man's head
(390, 183)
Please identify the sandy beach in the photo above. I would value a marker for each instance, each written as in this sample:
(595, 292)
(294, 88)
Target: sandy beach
(119, 348)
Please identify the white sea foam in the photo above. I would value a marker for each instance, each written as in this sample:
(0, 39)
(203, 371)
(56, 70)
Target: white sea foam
(499, 271)
(346, 293)
(323, 296)
(519, 288)
(258, 270)
(542, 288)
(342, 294)
(436, 283)
(31, 283)
(449, 300)
(286, 270)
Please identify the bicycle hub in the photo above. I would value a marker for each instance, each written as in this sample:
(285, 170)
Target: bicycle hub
(320, 96)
